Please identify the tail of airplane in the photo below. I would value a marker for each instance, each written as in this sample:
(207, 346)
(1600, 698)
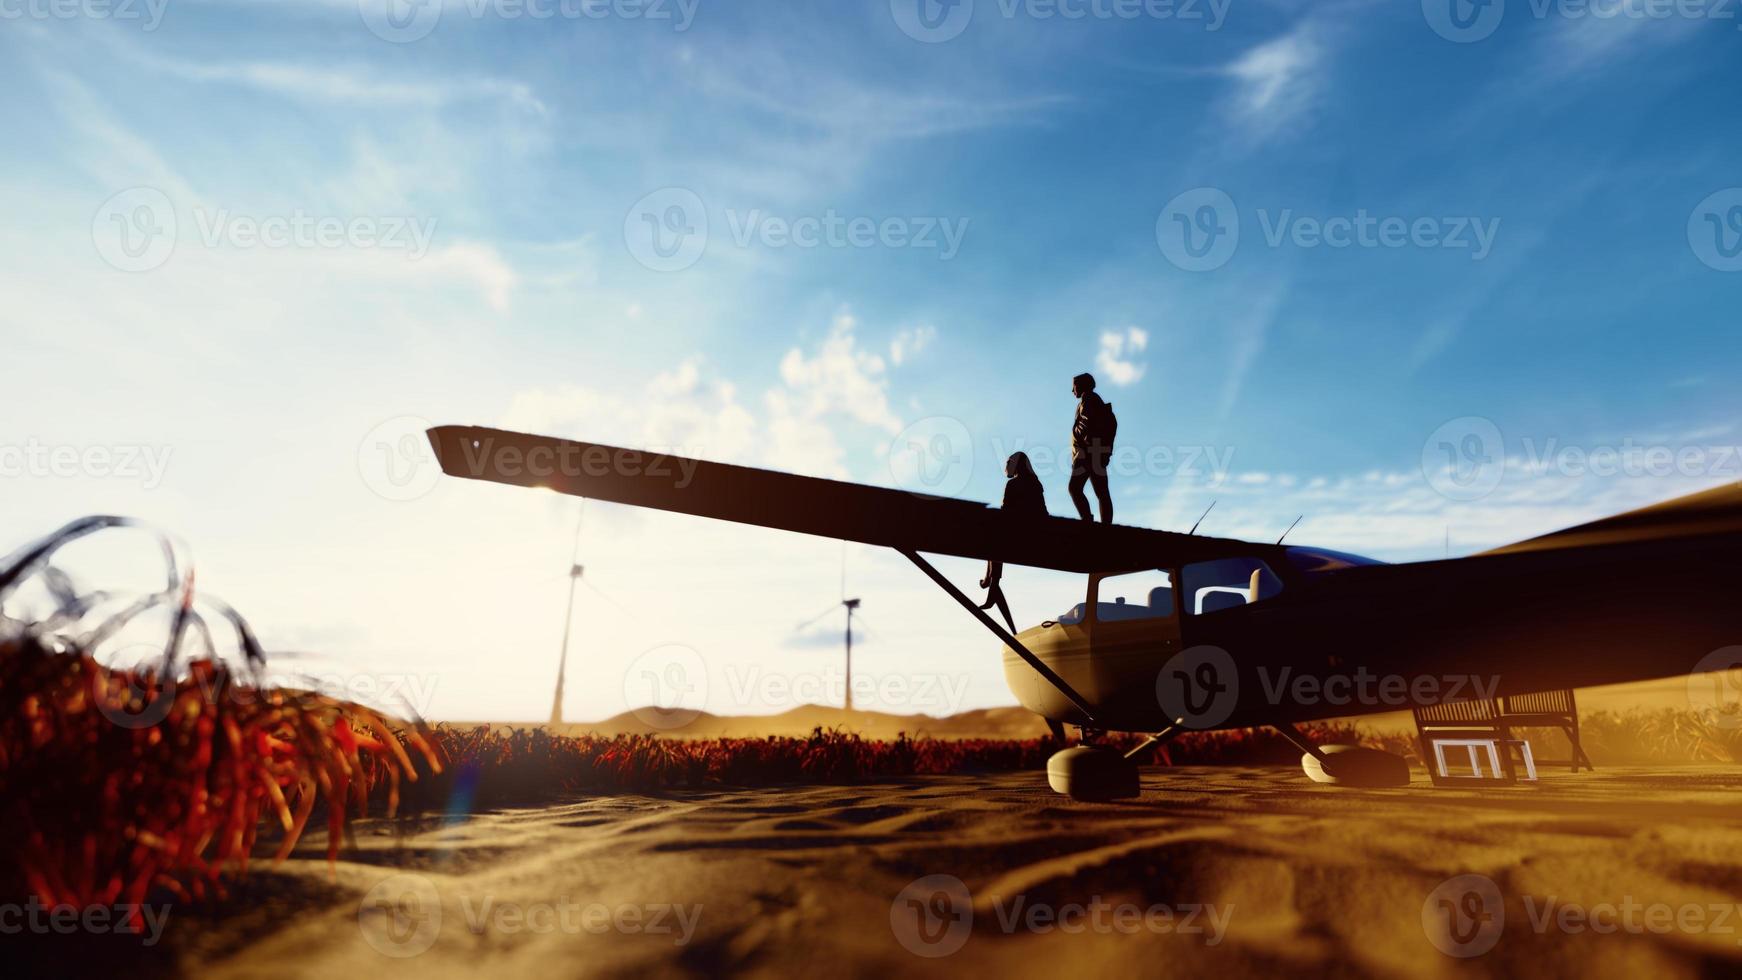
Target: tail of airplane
(1717, 511)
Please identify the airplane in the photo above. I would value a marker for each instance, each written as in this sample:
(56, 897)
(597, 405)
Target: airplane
(1179, 631)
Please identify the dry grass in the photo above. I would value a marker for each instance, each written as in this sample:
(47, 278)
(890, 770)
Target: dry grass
(1662, 735)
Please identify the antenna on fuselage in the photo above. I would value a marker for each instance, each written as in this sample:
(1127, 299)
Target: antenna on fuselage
(1201, 517)
(1290, 528)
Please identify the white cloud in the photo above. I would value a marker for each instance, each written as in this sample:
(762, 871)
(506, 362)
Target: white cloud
(461, 266)
(776, 80)
(1117, 358)
(686, 411)
(345, 85)
(1585, 41)
(679, 411)
(825, 124)
(1248, 333)
(910, 342)
(363, 89)
(479, 265)
(1277, 84)
(103, 147)
(840, 378)
(1397, 515)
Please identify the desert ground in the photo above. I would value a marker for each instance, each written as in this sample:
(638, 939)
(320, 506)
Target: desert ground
(1213, 871)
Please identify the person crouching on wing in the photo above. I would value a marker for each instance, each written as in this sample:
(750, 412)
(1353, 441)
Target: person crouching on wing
(1023, 495)
(1091, 447)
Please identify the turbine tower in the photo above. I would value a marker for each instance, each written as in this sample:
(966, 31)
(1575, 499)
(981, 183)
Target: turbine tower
(562, 662)
(850, 605)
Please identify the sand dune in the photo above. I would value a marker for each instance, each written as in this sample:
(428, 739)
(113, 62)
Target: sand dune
(1226, 872)
(1020, 723)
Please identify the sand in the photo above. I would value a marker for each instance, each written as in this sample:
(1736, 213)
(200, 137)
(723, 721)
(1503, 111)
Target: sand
(1226, 872)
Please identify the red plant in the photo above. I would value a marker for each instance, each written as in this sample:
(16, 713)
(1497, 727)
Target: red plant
(488, 765)
(113, 783)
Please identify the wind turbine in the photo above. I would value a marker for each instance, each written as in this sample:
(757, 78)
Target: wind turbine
(562, 663)
(850, 605)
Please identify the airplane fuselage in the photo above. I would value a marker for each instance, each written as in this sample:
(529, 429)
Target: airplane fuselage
(1377, 637)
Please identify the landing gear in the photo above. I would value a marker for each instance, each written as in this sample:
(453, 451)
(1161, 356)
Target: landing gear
(1159, 738)
(1347, 765)
(1092, 772)
(1083, 772)
(1095, 771)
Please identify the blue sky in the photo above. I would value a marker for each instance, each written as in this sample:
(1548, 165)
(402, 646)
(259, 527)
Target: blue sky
(1598, 154)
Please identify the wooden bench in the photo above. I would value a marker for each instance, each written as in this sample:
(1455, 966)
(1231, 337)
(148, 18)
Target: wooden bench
(1491, 721)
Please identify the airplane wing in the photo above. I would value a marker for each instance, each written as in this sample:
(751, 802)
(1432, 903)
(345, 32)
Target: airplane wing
(829, 508)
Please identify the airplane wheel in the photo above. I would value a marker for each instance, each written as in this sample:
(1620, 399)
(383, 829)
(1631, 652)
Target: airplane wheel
(1092, 772)
(1352, 765)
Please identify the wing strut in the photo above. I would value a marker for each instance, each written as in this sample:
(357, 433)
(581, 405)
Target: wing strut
(1010, 641)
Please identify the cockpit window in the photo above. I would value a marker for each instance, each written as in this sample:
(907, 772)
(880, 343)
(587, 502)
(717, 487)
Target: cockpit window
(1227, 583)
(1137, 595)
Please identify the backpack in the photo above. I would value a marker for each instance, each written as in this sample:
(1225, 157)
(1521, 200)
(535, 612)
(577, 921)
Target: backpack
(1107, 426)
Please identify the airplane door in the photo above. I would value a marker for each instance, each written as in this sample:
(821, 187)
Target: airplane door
(1134, 630)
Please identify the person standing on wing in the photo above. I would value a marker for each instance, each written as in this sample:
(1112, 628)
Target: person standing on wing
(1091, 447)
